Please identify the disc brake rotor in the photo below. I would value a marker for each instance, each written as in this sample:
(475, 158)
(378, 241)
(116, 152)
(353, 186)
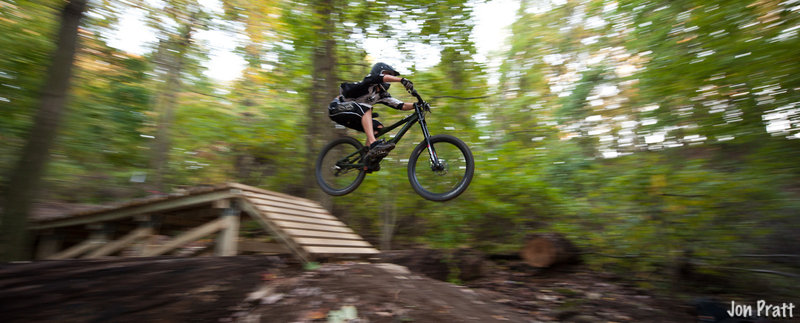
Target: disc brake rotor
(441, 171)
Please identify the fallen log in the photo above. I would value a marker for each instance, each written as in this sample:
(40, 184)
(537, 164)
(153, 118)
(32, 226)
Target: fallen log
(545, 250)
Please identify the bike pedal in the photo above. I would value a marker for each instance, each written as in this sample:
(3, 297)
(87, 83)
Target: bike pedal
(372, 166)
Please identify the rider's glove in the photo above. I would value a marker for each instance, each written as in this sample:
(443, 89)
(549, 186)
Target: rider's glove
(409, 86)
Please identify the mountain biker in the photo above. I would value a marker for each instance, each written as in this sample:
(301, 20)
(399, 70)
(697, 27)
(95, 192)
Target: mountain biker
(353, 107)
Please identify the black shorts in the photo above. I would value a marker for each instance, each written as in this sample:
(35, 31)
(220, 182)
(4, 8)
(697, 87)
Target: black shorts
(349, 113)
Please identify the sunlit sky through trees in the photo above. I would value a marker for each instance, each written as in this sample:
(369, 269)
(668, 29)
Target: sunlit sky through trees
(491, 31)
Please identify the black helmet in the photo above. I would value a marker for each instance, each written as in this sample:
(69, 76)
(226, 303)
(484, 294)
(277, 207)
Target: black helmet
(381, 68)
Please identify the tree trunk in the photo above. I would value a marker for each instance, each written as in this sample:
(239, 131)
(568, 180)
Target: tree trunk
(164, 108)
(25, 178)
(170, 58)
(323, 90)
(548, 249)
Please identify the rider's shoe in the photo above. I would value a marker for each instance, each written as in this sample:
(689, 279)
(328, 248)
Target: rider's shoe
(373, 167)
(378, 150)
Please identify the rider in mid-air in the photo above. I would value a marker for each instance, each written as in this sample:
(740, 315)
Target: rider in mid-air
(353, 107)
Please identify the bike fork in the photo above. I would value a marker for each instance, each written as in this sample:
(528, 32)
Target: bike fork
(436, 165)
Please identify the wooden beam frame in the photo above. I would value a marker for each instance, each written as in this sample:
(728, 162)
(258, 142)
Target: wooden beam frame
(96, 240)
(154, 207)
(119, 244)
(275, 231)
(192, 235)
(305, 228)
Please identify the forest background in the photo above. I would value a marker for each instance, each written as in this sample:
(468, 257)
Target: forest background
(660, 136)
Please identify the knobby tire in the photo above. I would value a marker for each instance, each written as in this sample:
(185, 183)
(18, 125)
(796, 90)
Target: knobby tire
(441, 185)
(327, 179)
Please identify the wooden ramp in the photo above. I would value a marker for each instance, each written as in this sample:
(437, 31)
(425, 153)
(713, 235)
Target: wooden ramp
(159, 225)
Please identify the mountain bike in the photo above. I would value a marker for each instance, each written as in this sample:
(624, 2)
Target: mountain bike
(440, 167)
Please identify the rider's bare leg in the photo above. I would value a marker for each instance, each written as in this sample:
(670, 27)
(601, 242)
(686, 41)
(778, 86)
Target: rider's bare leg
(366, 122)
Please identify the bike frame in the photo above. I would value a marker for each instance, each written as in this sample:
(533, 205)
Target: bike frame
(418, 116)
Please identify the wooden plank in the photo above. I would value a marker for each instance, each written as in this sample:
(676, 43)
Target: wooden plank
(340, 250)
(274, 230)
(290, 203)
(78, 249)
(120, 243)
(281, 197)
(131, 211)
(305, 242)
(192, 235)
(308, 226)
(269, 208)
(253, 189)
(294, 218)
(285, 205)
(295, 233)
(277, 197)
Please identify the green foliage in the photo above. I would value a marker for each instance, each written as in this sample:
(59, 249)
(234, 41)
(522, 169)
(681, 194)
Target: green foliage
(28, 29)
(589, 80)
(649, 131)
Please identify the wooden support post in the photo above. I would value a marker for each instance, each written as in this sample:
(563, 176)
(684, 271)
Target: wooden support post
(49, 244)
(194, 234)
(121, 243)
(228, 239)
(145, 221)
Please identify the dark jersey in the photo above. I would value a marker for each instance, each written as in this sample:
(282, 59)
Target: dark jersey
(368, 92)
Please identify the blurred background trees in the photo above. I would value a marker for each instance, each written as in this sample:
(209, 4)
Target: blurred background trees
(34, 155)
(660, 136)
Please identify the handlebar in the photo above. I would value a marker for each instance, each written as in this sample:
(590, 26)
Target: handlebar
(414, 93)
(424, 104)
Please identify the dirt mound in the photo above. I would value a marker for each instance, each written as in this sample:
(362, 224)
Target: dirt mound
(372, 293)
(130, 289)
(272, 289)
(232, 288)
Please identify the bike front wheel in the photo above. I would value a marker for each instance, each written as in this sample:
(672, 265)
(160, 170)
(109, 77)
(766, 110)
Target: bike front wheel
(336, 169)
(445, 182)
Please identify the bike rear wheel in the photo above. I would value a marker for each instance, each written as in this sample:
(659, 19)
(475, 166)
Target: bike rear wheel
(336, 172)
(446, 183)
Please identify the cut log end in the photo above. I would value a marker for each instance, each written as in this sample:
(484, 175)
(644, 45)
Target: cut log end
(547, 250)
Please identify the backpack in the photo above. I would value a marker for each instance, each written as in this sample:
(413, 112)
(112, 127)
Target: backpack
(353, 90)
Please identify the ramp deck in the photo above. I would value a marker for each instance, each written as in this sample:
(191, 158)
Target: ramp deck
(300, 226)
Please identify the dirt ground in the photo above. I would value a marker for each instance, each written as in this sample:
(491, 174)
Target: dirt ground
(272, 289)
